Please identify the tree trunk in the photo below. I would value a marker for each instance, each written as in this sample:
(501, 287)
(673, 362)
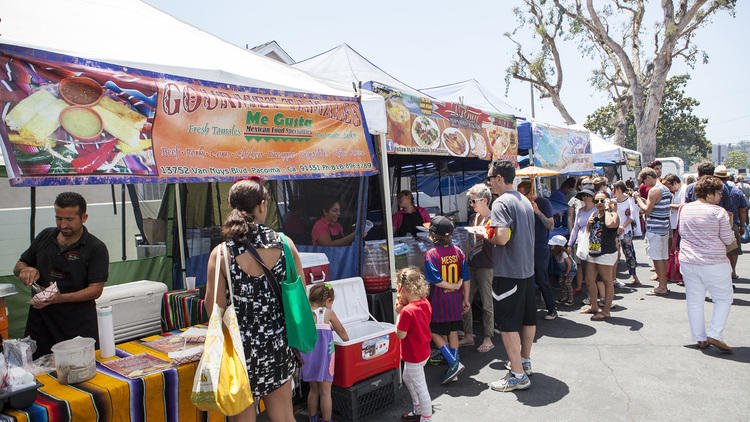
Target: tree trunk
(647, 119)
(621, 122)
(569, 120)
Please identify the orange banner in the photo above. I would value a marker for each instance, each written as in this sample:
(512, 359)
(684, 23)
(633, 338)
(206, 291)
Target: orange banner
(218, 132)
(72, 121)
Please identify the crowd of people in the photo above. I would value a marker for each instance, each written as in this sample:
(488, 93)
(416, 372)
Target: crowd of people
(509, 260)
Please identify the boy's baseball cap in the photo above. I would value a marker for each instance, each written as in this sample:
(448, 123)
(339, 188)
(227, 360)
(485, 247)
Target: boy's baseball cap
(557, 240)
(441, 225)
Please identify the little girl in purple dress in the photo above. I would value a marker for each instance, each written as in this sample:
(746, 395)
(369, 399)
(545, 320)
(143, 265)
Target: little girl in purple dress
(317, 368)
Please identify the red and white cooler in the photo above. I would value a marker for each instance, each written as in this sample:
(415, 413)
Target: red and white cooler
(315, 267)
(372, 348)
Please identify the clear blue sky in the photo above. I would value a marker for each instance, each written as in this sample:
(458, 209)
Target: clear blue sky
(435, 43)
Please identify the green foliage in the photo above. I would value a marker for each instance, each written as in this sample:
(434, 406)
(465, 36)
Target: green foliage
(736, 159)
(680, 133)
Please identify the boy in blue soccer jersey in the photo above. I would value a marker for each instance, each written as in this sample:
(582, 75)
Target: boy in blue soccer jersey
(447, 272)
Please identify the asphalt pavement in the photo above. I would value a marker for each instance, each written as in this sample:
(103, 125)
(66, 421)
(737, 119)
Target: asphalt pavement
(638, 365)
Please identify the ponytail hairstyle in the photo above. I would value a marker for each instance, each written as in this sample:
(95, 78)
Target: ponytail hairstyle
(411, 281)
(320, 293)
(244, 196)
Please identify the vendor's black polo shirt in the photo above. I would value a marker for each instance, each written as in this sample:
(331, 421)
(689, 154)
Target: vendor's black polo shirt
(73, 268)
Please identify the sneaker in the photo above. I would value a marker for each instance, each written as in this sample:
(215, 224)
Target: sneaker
(436, 358)
(526, 368)
(619, 284)
(550, 315)
(410, 417)
(452, 373)
(569, 301)
(586, 301)
(509, 383)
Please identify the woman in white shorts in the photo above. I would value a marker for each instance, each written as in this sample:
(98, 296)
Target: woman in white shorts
(603, 225)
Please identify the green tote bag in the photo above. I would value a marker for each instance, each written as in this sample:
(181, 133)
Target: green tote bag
(300, 325)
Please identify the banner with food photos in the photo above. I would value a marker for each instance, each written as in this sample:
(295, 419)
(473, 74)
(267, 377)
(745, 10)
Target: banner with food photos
(422, 126)
(67, 120)
(562, 149)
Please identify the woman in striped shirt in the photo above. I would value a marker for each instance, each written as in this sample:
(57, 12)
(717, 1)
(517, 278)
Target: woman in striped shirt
(705, 230)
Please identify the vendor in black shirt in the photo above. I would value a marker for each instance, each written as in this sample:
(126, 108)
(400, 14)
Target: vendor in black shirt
(78, 263)
(603, 225)
(409, 216)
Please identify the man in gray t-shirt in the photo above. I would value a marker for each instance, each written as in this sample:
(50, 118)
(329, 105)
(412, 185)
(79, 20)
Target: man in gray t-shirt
(516, 258)
(512, 221)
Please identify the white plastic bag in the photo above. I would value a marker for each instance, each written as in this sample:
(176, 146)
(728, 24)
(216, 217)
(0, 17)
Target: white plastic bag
(582, 250)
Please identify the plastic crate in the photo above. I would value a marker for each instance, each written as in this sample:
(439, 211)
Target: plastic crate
(365, 398)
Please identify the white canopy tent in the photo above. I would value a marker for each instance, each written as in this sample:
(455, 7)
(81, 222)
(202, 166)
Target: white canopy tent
(604, 152)
(342, 65)
(133, 33)
(472, 93)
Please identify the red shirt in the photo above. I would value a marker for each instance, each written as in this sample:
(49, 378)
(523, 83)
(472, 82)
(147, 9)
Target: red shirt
(415, 321)
(643, 190)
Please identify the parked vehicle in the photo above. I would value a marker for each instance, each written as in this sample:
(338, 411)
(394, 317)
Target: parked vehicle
(673, 165)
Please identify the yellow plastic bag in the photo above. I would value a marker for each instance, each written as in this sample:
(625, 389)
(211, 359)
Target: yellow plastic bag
(221, 383)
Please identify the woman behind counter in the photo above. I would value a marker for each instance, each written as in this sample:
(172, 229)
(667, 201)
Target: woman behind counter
(327, 231)
(409, 216)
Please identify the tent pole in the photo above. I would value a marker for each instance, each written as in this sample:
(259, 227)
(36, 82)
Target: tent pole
(387, 211)
(122, 222)
(180, 233)
(33, 213)
(440, 190)
(385, 188)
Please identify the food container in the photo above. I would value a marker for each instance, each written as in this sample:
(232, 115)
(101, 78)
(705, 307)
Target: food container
(82, 123)
(19, 398)
(82, 91)
(75, 360)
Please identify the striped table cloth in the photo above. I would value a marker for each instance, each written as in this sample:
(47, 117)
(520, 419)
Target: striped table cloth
(109, 396)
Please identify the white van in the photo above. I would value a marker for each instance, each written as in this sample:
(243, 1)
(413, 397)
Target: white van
(673, 165)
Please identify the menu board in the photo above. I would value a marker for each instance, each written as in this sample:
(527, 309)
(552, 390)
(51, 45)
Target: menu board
(561, 149)
(632, 160)
(422, 126)
(67, 120)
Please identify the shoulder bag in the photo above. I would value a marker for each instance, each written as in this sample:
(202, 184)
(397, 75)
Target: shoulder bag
(300, 326)
(221, 383)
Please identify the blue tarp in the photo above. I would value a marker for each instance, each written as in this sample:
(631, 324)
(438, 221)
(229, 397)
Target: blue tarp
(525, 141)
(449, 185)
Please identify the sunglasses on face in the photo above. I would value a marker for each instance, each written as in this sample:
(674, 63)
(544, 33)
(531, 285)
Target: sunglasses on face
(600, 201)
(474, 201)
(489, 178)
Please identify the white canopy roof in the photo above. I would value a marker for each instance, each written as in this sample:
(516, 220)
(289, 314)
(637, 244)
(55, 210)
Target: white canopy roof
(133, 33)
(604, 151)
(472, 93)
(343, 65)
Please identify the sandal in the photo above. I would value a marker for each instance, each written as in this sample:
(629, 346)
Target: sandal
(654, 292)
(599, 316)
(589, 310)
(654, 277)
(466, 341)
(484, 348)
(635, 284)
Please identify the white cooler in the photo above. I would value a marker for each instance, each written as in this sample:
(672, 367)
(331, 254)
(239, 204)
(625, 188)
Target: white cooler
(372, 348)
(315, 267)
(136, 308)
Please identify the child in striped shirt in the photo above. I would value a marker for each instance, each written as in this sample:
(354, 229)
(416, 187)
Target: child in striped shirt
(447, 272)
